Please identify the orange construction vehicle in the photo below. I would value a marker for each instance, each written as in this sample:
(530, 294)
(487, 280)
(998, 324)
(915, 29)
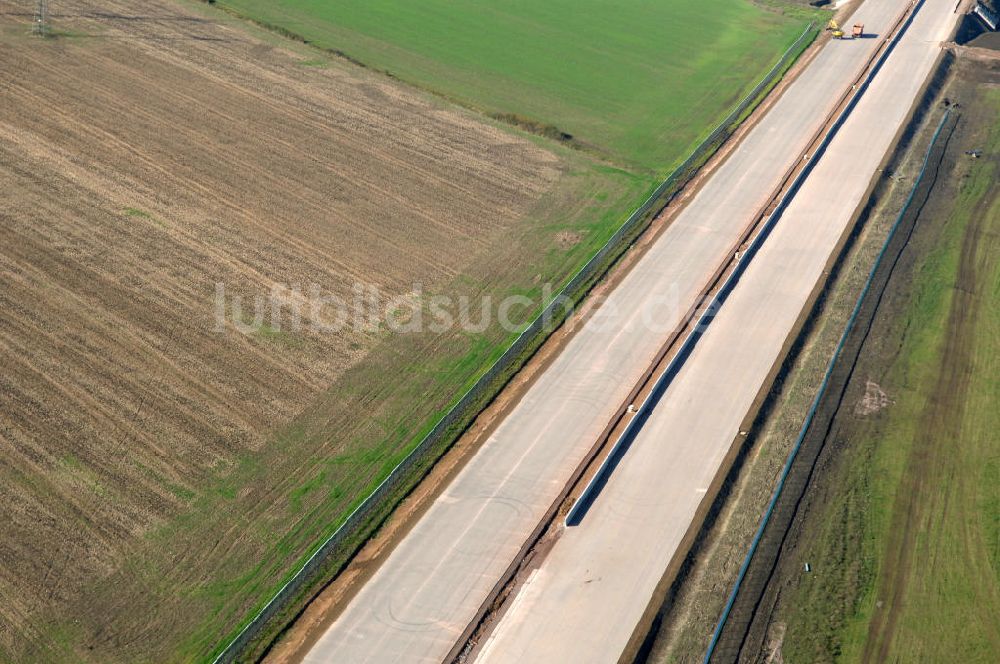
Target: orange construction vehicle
(856, 33)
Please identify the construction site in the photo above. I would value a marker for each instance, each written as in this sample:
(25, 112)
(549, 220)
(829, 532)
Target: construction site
(377, 332)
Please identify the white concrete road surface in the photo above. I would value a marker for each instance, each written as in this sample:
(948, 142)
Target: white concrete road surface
(590, 592)
(427, 591)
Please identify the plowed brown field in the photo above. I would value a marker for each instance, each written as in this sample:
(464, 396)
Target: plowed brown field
(151, 467)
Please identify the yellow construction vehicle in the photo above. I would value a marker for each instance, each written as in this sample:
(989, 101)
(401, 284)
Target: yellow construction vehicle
(857, 32)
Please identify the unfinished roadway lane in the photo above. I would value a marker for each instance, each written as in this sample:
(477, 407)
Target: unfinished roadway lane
(592, 589)
(428, 590)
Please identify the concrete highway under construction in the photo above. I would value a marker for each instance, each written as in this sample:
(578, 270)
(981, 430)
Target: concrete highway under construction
(588, 599)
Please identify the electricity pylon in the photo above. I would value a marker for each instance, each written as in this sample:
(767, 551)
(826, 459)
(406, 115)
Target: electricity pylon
(42, 18)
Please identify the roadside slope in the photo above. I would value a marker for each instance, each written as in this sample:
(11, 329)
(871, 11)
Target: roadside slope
(901, 528)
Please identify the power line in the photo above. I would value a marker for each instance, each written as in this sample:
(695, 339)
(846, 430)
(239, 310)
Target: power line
(42, 18)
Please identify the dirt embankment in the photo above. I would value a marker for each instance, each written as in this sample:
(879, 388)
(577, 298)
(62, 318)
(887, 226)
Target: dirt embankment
(148, 154)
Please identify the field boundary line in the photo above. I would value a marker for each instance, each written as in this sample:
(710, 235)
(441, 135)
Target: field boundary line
(490, 382)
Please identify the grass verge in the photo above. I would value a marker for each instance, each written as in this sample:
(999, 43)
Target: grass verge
(901, 535)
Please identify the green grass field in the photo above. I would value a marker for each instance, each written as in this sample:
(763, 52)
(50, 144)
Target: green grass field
(905, 549)
(638, 81)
